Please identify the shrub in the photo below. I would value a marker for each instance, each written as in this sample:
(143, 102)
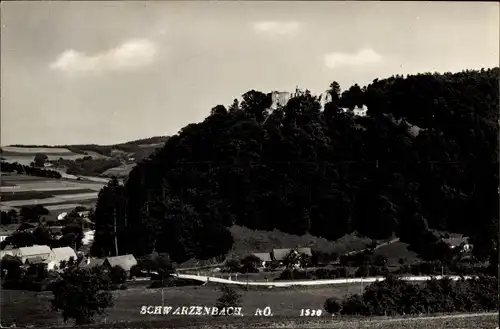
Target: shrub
(332, 305)
(294, 274)
(136, 271)
(118, 275)
(233, 265)
(354, 305)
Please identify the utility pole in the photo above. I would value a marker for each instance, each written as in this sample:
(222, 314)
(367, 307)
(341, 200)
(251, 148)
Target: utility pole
(114, 225)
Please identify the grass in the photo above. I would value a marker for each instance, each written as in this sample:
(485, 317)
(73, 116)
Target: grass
(394, 251)
(28, 195)
(248, 241)
(28, 309)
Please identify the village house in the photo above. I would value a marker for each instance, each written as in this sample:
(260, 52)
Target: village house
(265, 258)
(60, 255)
(280, 254)
(38, 252)
(458, 241)
(125, 261)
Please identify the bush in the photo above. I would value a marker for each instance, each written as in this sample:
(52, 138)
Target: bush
(294, 274)
(354, 305)
(233, 265)
(136, 271)
(332, 305)
(393, 296)
(118, 275)
(123, 287)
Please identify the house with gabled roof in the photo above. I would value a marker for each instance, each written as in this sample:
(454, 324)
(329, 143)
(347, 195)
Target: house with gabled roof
(264, 257)
(124, 261)
(60, 255)
(280, 254)
(24, 253)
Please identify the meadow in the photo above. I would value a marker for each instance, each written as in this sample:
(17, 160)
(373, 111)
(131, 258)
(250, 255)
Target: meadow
(28, 308)
(25, 155)
(55, 194)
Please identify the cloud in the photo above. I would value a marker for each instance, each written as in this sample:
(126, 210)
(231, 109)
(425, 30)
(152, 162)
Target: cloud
(362, 57)
(130, 55)
(276, 28)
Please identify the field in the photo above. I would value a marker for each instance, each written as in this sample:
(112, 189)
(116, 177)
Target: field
(55, 194)
(25, 155)
(26, 308)
(394, 251)
(248, 241)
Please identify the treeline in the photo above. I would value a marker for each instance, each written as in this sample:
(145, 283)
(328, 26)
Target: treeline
(424, 158)
(87, 166)
(28, 170)
(396, 297)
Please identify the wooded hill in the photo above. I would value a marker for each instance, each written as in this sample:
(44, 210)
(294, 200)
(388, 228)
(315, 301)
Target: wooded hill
(426, 156)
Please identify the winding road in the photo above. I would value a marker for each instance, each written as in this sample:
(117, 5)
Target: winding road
(205, 279)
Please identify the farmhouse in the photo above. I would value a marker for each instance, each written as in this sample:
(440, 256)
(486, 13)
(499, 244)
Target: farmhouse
(264, 257)
(458, 241)
(125, 261)
(59, 255)
(305, 251)
(280, 254)
(43, 252)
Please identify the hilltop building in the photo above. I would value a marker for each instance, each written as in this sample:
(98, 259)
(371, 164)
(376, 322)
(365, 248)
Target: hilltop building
(281, 98)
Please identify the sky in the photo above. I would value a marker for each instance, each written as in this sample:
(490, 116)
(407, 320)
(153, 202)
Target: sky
(108, 72)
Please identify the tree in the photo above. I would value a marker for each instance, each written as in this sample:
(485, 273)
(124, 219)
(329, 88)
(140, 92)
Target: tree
(40, 159)
(6, 219)
(218, 110)
(233, 265)
(72, 236)
(229, 298)
(81, 294)
(11, 268)
(109, 218)
(250, 263)
(33, 212)
(334, 92)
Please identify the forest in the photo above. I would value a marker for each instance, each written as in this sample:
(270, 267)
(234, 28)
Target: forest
(425, 158)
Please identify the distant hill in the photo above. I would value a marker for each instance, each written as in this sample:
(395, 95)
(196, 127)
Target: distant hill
(87, 159)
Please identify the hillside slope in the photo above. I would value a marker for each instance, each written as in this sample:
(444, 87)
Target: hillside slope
(327, 173)
(88, 160)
